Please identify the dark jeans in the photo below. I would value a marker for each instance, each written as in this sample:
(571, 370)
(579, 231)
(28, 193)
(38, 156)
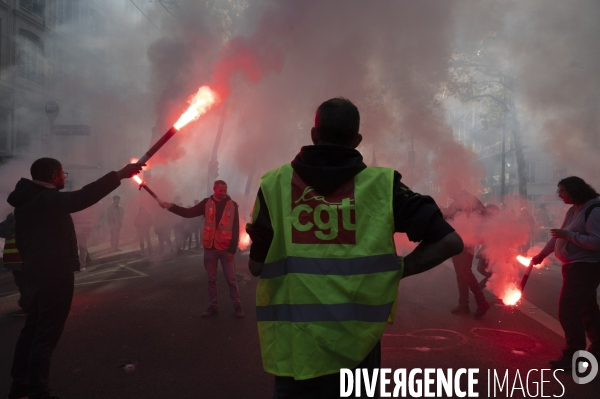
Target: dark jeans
(578, 310)
(465, 278)
(48, 312)
(164, 238)
(211, 258)
(21, 283)
(327, 386)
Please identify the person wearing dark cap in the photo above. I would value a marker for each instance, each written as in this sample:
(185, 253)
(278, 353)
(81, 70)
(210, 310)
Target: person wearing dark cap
(45, 237)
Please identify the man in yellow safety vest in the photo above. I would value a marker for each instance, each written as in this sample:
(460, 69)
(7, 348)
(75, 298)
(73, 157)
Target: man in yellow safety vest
(322, 243)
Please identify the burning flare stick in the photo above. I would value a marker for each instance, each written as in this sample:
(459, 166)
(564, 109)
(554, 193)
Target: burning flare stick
(143, 184)
(526, 276)
(200, 103)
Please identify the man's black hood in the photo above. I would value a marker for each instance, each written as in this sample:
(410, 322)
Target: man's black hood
(326, 166)
(24, 190)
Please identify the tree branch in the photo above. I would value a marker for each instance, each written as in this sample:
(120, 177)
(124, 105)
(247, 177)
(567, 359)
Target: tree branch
(496, 99)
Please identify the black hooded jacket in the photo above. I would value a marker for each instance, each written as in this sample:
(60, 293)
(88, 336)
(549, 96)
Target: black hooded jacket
(326, 167)
(45, 234)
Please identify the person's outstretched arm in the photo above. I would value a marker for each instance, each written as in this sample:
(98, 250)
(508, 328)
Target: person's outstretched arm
(428, 255)
(88, 195)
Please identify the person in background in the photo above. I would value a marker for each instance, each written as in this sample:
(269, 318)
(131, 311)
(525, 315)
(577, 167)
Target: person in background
(577, 246)
(162, 228)
(467, 204)
(188, 227)
(483, 266)
(527, 222)
(197, 223)
(46, 240)
(116, 214)
(178, 231)
(142, 223)
(220, 240)
(83, 229)
(11, 260)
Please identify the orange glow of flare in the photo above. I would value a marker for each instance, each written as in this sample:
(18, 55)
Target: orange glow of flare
(244, 240)
(135, 160)
(523, 260)
(526, 261)
(200, 102)
(137, 179)
(512, 296)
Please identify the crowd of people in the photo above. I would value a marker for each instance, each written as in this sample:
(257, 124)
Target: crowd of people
(319, 277)
(98, 224)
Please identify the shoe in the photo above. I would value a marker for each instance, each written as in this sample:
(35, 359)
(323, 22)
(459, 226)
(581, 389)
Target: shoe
(20, 313)
(461, 309)
(481, 310)
(565, 361)
(239, 312)
(211, 311)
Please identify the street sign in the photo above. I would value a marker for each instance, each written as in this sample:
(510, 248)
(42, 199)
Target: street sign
(71, 130)
(52, 109)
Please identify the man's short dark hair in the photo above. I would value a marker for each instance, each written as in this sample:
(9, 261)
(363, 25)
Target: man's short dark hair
(579, 191)
(44, 168)
(217, 182)
(337, 121)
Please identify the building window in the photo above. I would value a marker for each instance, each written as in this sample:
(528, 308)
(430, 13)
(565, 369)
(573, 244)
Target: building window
(67, 11)
(30, 58)
(34, 6)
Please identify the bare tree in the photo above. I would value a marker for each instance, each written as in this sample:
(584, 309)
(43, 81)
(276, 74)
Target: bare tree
(477, 75)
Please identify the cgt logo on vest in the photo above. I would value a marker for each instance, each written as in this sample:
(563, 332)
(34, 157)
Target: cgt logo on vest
(319, 219)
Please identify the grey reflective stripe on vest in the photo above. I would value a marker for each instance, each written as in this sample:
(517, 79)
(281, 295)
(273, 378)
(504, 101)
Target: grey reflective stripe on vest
(331, 266)
(320, 312)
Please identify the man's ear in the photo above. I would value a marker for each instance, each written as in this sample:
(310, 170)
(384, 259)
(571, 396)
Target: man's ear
(314, 136)
(356, 141)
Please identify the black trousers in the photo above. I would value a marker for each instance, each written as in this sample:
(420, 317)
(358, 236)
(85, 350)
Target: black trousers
(327, 386)
(465, 279)
(50, 303)
(578, 310)
(21, 283)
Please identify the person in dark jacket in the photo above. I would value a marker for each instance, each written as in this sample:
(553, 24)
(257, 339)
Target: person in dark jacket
(326, 166)
(12, 261)
(142, 223)
(46, 239)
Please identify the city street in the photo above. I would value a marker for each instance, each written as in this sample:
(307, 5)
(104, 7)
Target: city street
(135, 331)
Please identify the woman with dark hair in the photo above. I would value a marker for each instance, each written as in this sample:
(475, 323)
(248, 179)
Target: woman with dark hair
(577, 245)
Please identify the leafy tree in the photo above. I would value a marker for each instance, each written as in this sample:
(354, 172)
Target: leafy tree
(478, 75)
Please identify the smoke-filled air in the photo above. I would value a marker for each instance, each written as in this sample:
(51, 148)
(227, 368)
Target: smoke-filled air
(501, 97)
